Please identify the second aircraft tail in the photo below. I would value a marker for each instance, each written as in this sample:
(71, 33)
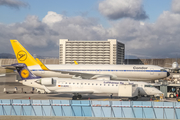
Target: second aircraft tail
(24, 72)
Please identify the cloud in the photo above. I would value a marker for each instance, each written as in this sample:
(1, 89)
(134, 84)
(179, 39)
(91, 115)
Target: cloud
(13, 3)
(116, 9)
(175, 6)
(51, 18)
(152, 40)
(142, 39)
(39, 36)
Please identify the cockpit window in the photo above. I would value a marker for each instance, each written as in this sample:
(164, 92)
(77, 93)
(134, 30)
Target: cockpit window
(163, 70)
(148, 86)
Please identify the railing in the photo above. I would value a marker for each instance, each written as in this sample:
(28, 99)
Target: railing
(86, 108)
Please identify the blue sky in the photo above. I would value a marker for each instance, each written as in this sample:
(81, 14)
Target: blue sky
(87, 8)
(148, 28)
(155, 7)
(40, 9)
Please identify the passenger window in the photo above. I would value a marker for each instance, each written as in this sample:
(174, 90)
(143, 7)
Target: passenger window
(73, 83)
(66, 83)
(69, 83)
(104, 84)
(85, 83)
(112, 85)
(92, 84)
(81, 83)
(96, 84)
(88, 83)
(108, 84)
(116, 85)
(77, 83)
(100, 84)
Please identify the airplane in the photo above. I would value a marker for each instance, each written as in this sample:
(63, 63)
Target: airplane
(79, 87)
(89, 71)
(174, 68)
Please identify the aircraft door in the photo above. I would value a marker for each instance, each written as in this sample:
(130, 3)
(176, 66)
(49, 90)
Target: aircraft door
(152, 71)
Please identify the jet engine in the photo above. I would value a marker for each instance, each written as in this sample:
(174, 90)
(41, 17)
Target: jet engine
(45, 81)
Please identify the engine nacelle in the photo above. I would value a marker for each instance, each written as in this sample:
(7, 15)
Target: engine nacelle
(46, 81)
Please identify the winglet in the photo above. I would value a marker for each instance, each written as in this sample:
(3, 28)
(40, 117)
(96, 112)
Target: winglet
(41, 64)
(75, 62)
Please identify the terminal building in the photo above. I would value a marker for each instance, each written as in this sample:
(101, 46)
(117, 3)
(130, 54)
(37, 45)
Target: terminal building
(91, 52)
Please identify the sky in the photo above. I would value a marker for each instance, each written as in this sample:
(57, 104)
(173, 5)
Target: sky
(148, 28)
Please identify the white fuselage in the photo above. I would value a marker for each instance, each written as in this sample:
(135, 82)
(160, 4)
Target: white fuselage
(175, 66)
(117, 72)
(67, 85)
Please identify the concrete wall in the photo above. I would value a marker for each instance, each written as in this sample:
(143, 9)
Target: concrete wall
(45, 61)
(167, 62)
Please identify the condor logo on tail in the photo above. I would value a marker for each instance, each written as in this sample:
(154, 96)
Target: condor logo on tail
(22, 55)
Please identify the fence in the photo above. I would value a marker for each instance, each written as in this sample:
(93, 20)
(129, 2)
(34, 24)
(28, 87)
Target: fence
(86, 108)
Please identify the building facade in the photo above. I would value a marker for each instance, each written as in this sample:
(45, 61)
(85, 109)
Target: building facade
(91, 52)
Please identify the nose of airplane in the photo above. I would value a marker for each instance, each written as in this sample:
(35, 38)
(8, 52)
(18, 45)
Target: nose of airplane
(168, 74)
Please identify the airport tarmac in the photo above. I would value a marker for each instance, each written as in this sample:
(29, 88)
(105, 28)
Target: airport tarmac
(8, 82)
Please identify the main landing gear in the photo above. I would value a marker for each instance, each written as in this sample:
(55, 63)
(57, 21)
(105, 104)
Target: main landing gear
(76, 96)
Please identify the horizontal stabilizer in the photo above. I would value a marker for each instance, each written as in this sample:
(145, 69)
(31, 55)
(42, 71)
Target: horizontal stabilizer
(13, 66)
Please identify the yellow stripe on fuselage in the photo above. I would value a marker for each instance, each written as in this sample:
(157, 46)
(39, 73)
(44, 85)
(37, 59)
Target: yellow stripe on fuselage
(22, 55)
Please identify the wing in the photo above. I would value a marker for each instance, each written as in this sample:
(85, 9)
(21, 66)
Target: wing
(76, 92)
(9, 67)
(83, 75)
(69, 91)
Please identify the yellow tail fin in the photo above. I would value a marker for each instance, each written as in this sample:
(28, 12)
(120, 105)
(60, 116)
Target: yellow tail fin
(41, 64)
(75, 62)
(22, 55)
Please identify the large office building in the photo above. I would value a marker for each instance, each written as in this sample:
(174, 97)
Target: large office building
(91, 52)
